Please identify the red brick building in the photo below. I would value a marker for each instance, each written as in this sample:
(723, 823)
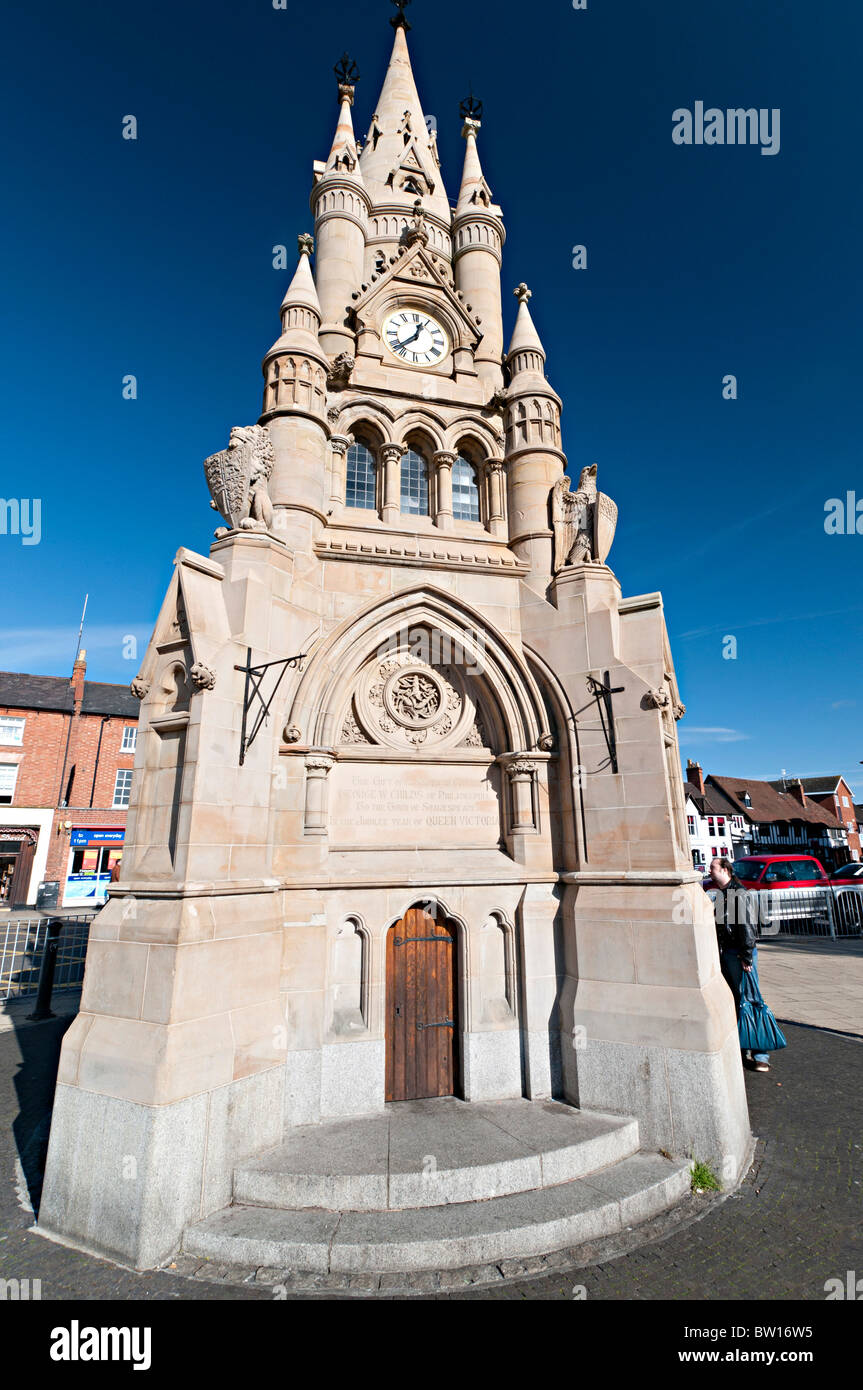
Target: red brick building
(67, 749)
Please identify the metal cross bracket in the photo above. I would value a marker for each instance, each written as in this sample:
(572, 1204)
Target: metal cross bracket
(602, 693)
(252, 691)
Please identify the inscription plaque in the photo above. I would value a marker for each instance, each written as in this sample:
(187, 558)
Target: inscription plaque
(430, 806)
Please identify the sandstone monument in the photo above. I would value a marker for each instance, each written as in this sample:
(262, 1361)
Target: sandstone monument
(407, 830)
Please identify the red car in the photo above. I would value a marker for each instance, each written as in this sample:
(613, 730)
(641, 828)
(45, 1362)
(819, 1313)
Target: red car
(839, 913)
(780, 871)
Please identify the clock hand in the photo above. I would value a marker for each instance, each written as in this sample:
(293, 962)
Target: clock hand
(405, 342)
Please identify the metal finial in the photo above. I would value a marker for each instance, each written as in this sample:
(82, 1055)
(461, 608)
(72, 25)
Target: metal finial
(470, 109)
(398, 21)
(346, 71)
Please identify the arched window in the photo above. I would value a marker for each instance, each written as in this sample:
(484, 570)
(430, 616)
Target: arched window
(360, 484)
(465, 493)
(415, 484)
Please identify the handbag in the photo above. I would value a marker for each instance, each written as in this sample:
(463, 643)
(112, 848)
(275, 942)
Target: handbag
(758, 1029)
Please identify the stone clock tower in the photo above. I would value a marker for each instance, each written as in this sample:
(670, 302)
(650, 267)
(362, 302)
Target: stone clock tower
(407, 819)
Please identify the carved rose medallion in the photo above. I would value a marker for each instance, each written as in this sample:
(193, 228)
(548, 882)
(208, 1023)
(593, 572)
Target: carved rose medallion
(414, 698)
(405, 702)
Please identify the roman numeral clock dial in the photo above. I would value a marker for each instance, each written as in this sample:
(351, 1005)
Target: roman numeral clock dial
(415, 338)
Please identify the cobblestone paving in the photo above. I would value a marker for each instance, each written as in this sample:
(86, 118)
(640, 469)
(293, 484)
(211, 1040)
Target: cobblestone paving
(796, 1221)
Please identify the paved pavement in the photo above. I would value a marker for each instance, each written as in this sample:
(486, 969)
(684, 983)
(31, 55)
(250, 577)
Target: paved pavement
(814, 980)
(796, 1221)
(13, 1012)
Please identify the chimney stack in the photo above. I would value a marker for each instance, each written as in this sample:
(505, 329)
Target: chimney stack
(695, 775)
(79, 671)
(797, 791)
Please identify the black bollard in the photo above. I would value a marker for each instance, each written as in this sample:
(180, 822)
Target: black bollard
(46, 974)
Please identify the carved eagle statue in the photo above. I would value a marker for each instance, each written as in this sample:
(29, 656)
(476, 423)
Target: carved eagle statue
(584, 521)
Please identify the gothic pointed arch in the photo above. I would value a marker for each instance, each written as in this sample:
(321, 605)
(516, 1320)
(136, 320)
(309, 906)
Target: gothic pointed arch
(474, 436)
(506, 690)
(365, 410)
(418, 421)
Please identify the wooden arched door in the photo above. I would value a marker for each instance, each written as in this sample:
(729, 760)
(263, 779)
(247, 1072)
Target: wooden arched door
(422, 1007)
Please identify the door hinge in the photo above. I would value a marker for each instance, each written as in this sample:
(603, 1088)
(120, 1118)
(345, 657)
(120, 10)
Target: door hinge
(401, 940)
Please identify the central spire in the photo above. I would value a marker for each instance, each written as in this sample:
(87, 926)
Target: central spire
(400, 161)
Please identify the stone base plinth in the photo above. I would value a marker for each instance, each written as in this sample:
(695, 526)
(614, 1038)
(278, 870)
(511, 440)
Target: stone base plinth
(123, 1179)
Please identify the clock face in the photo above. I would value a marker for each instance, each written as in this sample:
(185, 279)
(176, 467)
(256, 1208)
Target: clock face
(414, 337)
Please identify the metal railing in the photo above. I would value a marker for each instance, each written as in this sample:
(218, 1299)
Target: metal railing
(831, 912)
(22, 948)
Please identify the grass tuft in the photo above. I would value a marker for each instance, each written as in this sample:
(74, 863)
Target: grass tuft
(703, 1177)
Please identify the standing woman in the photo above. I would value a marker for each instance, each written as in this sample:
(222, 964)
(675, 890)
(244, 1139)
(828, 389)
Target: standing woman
(736, 915)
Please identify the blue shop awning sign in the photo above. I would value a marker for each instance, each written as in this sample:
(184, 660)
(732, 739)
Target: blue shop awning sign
(80, 838)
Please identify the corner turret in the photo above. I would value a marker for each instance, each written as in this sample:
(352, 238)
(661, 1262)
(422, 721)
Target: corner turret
(295, 396)
(340, 204)
(534, 459)
(478, 237)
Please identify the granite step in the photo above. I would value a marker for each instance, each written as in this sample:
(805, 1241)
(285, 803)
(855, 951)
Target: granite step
(433, 1153)
(319, 1241)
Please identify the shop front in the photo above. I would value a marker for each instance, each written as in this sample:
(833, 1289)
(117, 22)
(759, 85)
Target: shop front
(17, 849)
(93, 852)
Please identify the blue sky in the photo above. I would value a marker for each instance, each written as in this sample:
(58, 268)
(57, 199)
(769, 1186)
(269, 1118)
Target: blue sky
(154, 257)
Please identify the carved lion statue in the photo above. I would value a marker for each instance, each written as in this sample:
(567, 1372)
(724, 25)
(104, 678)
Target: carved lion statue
(237, 478)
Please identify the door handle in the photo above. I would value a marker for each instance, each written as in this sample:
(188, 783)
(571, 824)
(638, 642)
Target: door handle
(444, 1023)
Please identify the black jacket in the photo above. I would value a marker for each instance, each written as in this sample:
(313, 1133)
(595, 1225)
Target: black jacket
(736, 913)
